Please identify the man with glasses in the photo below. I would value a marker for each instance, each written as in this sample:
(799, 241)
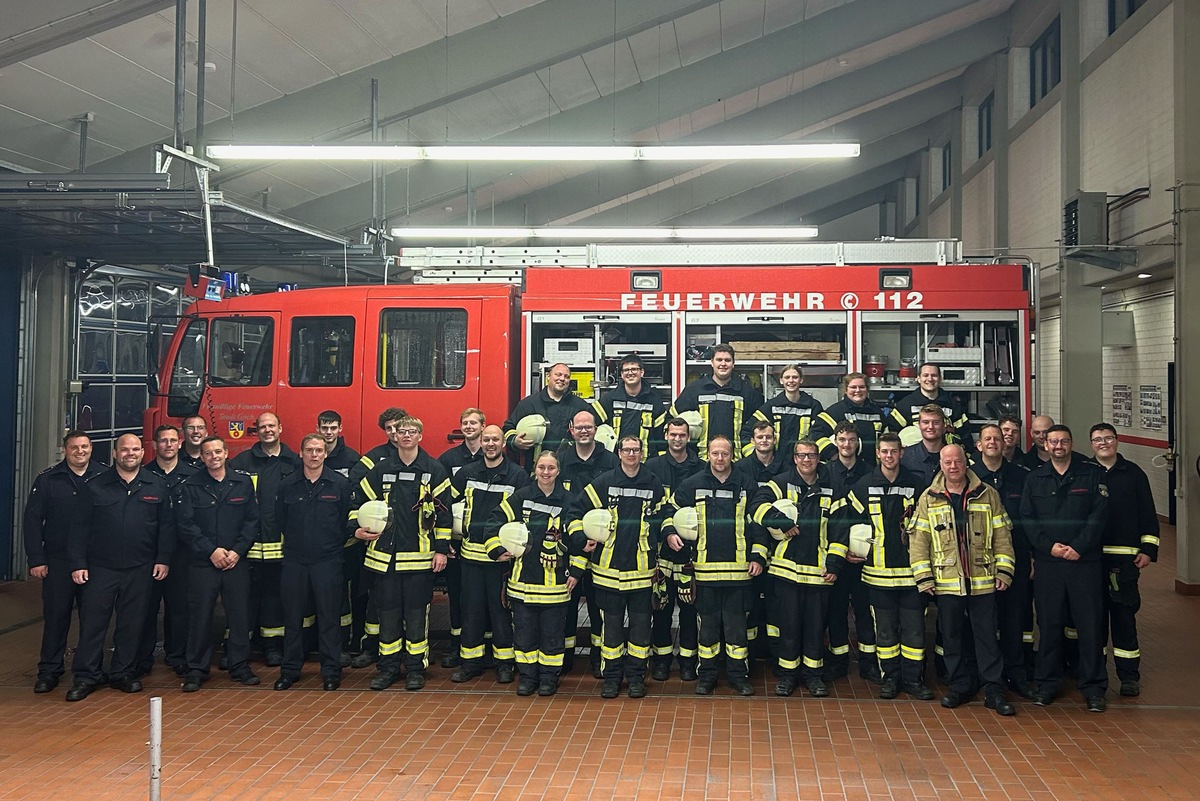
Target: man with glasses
(1064, 507)
(804, 565)
(580, 462)
(623, 567)
(195, 429)
(635, 408)
(406, 555)
(1130, 544)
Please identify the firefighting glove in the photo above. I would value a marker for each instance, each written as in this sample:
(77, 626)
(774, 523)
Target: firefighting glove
(659, 596)
(685, 584)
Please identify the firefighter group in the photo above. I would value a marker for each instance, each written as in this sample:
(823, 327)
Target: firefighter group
(701, 535)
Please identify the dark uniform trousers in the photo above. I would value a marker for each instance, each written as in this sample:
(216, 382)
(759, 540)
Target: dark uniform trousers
(318, 587)
(585, 590)
(538, 638)
(402, 599)
(1122, 599)
(1014, 613)
(847, 590)
(453, 578)
(722, 609)
(1070, 591)
(762, 627)
(969, 644)
(171, 594)
(266, 603)
(899, 632)
(801, 611)
(125, 591)
(205, 583)
(482, 585)
(624, 652)
(354, 597)
(59, 596)
(689, 628)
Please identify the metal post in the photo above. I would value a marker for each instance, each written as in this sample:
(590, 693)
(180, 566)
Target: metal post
(180, 68)
(155, 748)
(202, 180)
(201, 30)
(375, 164)
(83, 138)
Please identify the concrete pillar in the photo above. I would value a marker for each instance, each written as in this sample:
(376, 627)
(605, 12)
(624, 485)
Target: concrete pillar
(956, 162)
(1082, 384)
(1187, 294)
(1000, 154)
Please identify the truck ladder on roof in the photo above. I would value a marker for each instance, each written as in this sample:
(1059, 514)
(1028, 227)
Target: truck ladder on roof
(484, 264)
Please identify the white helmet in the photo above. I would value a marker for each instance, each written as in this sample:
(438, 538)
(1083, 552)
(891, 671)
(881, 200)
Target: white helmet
(909, 436)
(533, 427)
(687, 523)
(598, 525)
(695, 423)
(515, 538)
(457, 511)
(861, 539)
(787, 507)
(607, 436)
(374, 516)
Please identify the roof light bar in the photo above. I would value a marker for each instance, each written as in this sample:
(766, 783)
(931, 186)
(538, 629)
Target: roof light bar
(594, 233)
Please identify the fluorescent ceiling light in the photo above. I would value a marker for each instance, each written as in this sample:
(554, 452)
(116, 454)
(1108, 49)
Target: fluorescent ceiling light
(368, 152)
(1144, 275)
(573, 232)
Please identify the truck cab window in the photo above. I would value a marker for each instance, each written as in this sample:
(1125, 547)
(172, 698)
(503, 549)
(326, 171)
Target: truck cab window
(322, 352)
(240, 352)
(187, 375)
(422, 348)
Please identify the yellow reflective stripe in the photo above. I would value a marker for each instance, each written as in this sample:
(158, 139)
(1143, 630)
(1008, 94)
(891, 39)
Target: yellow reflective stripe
(915, 654)
(1120, 653)
(814, 663)
(889, 652)
(1149, 539)
(1121, 550)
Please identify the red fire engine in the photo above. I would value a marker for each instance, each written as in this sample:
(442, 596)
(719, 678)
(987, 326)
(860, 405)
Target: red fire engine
(479, 327)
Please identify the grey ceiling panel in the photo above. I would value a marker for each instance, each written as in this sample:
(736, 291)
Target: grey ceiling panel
(32, 28)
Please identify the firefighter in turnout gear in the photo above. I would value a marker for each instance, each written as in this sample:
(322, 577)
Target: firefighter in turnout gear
(961, 553)
(267, 463)
(804, 563)
(470, 423)
(580, 460)
(724, 400)
(791, 413)
(857, 407)
(929, 390)
(671, 468)
(364, 623)
(413, 547)
(885, 500)
(559, 405)
(623, 567)
(1064, 507)
(635, 408)
(729, 550)
(483, 486)
(1130, 544)
(539, 590)
(840, 474)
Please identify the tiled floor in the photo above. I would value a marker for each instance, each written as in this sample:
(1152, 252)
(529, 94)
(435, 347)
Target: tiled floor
(482, 742)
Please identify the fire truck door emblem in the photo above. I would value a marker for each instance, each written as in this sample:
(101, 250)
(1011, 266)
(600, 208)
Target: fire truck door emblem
(237, 429)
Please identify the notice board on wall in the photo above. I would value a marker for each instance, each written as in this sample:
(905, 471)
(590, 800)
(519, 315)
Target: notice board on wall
(1122, 405)
(1150, 406)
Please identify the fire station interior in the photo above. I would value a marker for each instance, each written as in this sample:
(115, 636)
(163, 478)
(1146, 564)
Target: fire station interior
(1061, 136)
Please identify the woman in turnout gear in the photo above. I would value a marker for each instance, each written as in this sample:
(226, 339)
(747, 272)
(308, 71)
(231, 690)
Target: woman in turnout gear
(729, 550)
(623, 567)
(804, 565)
(857, 407)
(403, 559)
(791, 413)
(539, 590)
(885, 499)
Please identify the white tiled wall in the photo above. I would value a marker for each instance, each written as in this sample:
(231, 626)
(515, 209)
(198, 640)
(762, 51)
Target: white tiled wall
(978, 211)
(1034, 194)
(1049, 367)
(1127, 127)
(939, 222)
